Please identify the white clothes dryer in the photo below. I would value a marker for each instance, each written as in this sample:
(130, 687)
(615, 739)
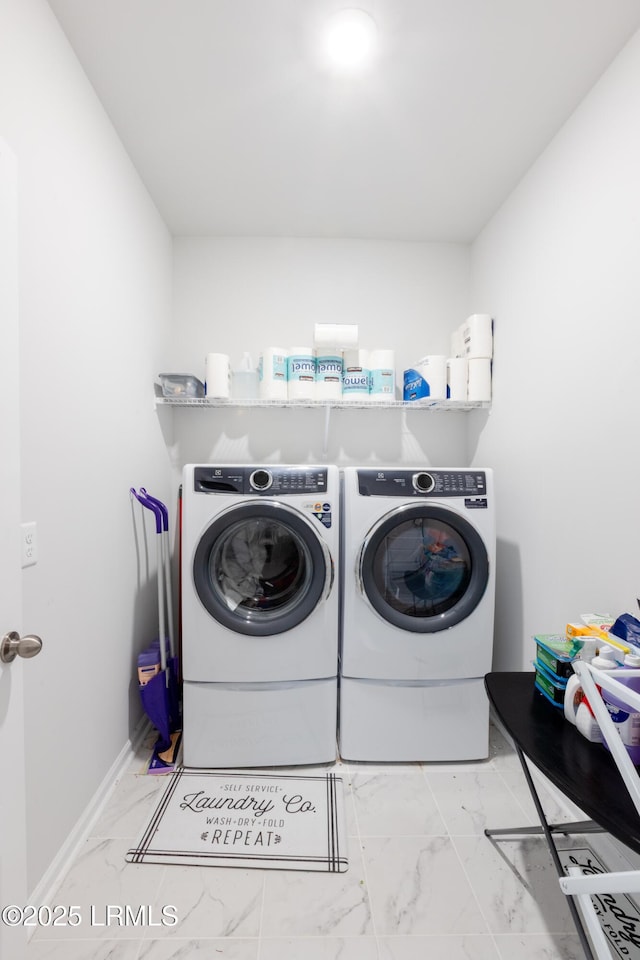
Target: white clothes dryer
(259, 614)
(418, 612)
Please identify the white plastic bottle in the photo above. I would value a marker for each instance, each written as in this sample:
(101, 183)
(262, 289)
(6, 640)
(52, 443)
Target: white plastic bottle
(573, 697)
(244, 380)
(587, 723)
(585, 719)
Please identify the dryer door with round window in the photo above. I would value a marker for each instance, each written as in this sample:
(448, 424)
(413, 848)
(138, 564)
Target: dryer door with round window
(424, 568)
(260, 569)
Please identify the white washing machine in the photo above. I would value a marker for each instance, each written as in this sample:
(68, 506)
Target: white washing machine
(418, 609)
(259, 614)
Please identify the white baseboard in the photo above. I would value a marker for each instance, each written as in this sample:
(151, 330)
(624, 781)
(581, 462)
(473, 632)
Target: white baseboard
(59, 866)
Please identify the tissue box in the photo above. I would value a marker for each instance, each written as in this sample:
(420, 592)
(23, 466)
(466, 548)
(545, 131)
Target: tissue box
(414, 386)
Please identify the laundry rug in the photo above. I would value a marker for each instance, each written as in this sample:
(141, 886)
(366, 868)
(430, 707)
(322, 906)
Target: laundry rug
(217, 819)
(618, 914)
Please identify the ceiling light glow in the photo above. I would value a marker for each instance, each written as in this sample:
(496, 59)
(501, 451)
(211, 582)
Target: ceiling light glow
(350, 39)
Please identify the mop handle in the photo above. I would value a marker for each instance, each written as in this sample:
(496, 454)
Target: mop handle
(160, 564)
(160, 505)
(167, 566)
(150, 506)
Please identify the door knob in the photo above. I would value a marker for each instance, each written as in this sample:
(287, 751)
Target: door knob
(13, 645)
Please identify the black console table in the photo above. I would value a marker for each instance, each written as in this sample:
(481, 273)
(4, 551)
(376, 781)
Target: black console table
(584, 772)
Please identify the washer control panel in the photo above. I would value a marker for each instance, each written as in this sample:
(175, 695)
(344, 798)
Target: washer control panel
(422, 483)
(260, 480)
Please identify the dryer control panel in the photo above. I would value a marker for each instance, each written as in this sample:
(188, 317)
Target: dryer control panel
(422, 483)
(245, 480)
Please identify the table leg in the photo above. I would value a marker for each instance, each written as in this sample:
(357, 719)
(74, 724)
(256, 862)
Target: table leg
(548, 830)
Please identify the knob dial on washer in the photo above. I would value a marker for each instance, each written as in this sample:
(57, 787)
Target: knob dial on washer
(261, 479)
(423, 482)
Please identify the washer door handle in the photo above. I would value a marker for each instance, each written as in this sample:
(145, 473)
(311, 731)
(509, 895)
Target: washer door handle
(13, 645)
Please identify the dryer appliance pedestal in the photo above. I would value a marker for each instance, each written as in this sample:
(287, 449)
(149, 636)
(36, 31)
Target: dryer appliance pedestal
(408, 721)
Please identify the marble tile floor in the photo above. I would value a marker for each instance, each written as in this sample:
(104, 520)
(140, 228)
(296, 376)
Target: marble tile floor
(423, 883)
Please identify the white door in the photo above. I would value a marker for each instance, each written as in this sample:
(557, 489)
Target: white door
(12, 780)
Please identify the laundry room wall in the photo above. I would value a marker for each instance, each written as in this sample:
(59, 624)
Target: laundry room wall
(559, 266)
(237, 294)
(95, 281)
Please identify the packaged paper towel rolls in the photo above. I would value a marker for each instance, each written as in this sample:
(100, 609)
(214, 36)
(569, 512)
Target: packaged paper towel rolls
(382, 375)
(433, 370)
(479, 380)
(477, 333)
(328, 376)
(339, 336)
(272, 374)
(457, 378)
(217, 375)
(355, 375)
(301, 373)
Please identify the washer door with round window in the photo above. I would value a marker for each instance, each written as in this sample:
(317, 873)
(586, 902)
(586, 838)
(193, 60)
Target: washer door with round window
(260, 569)
(423, 568)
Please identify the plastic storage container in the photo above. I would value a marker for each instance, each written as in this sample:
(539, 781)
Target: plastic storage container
(181, 385)
(625, 718)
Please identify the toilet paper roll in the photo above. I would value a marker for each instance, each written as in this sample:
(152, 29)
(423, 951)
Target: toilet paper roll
(477, 333)
(479, 380)
(355, 375)
(328, 376)
(217, 376)
(433, 370)
(301, 373)
(457, 343)
(382, 375)
(457, 378)
(340, 336)
(272, 374)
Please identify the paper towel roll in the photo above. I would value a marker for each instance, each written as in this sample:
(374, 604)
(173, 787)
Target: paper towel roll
(433, 370)
(477, 333)
(355, 375)
(272, 373)
(301, 373)
(328, 376)
(217, 375)
(457, 378)
(382, 375)
(340, 336)
(479, 380)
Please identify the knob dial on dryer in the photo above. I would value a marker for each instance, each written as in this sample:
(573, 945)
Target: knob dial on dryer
(261, 479)
(423, 482)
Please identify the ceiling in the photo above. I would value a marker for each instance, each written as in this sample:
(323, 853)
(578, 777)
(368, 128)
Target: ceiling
(237, 127)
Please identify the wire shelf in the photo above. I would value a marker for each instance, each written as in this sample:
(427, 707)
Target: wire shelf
(424, 404)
